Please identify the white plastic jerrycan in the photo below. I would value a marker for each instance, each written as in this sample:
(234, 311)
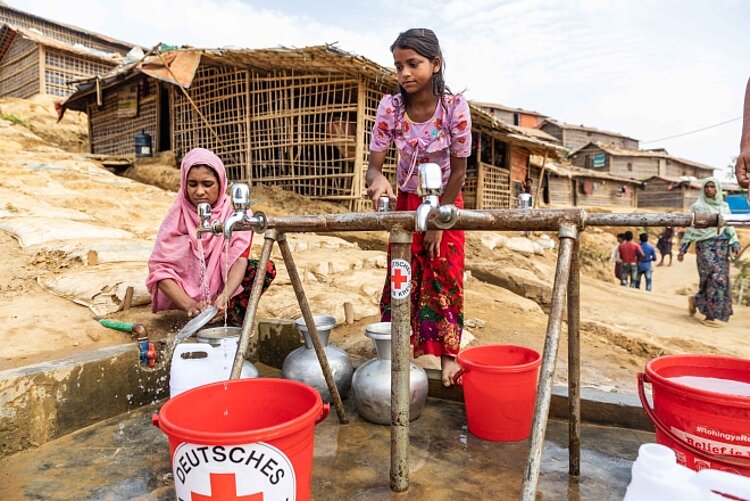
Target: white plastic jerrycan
(658, 477)
(196, 364)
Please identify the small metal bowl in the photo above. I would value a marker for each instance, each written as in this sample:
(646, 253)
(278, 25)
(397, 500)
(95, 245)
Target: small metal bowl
(214, 335)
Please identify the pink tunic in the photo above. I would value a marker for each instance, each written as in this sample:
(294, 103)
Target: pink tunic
(447, 133)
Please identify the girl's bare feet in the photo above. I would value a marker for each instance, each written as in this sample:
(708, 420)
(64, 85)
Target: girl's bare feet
(449, 368)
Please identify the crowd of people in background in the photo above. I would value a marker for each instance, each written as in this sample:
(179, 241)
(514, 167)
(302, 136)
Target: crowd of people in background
(713, 249)
(633, 261)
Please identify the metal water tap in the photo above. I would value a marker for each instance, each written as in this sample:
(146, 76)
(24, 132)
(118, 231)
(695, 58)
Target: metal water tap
(430, 187)
(204, 214)
(240, 220)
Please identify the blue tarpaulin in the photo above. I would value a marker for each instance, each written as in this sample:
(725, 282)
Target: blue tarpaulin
(738, 203)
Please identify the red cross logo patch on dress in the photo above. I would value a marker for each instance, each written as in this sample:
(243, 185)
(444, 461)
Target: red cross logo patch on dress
(400, 279)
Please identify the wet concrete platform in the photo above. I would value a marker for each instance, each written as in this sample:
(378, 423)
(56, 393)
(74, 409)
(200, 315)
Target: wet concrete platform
(127, 458)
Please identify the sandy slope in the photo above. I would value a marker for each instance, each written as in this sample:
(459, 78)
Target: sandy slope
(622, 328)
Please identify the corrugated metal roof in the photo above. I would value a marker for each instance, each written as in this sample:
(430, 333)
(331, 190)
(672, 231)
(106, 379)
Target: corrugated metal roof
(564, 125)
(572, 171)
(495, 106)
(625, 152)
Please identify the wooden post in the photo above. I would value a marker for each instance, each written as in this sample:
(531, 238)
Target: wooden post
(541, 179)
(360, 167)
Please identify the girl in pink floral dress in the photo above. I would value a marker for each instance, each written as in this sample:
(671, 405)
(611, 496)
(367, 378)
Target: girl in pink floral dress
(428, 124)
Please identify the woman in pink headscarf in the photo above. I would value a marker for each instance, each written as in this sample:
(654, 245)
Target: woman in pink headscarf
(174, 266)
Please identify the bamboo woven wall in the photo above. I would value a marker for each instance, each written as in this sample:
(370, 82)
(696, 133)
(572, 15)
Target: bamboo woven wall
(372, 93)
(60, 68)
(303, 132)
(221, 96)
(19, 69)
(487, 184)
(112, 134)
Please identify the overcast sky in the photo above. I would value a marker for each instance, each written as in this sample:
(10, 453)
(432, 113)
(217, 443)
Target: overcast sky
(646, 68)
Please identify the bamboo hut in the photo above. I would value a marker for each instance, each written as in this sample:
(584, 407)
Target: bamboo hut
(32, 63)
(296, 118)
(669, 192)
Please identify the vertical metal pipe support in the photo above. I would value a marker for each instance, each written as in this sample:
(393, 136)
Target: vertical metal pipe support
(312, 330)
(568, 234)
(252, 304)
(400, 241)
(574, 363)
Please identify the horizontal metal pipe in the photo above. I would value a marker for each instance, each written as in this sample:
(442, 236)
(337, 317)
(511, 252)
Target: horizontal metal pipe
(494, 220)
(652, 219)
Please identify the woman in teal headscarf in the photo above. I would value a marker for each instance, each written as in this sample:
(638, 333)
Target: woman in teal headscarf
(712, 247)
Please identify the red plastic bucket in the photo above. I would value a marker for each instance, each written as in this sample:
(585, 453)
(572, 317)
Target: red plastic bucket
(243, 437)
(499, 390)
(706, 429)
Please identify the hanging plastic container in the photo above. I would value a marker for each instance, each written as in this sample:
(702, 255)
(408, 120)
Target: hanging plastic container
(243, 439)
(371, 383)
(197, 364)
(658, 477)
(499, 390)
(143, 144)
(302, 364)
(695, 412)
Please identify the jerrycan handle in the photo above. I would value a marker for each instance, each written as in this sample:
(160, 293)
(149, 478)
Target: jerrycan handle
(323, 413)
(457, 377)
(155, 420)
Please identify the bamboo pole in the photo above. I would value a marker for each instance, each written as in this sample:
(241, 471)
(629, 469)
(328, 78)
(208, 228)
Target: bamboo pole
(312, 329)
(252, 304)
(568, 235)
(400, 243)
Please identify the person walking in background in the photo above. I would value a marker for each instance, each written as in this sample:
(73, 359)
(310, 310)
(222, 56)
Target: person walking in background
(644, 265)
(615, 256)
(712, 248)
(664, 244)
(631, 254)
(427, 123)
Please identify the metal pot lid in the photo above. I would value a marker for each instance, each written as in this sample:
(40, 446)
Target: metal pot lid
(198, 321)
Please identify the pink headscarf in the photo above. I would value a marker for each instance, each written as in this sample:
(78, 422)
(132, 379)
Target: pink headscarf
(176, 254)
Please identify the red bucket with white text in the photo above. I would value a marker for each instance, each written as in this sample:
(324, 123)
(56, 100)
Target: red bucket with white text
(244, 437)
(701, 409)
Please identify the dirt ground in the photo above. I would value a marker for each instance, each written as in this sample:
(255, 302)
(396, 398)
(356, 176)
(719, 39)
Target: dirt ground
(74, 236)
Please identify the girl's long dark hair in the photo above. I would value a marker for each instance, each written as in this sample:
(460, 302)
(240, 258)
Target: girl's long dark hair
(424, 42)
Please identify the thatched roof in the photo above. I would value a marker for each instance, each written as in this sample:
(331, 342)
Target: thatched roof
(9, 32)
(9, 13)
(178, 67)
